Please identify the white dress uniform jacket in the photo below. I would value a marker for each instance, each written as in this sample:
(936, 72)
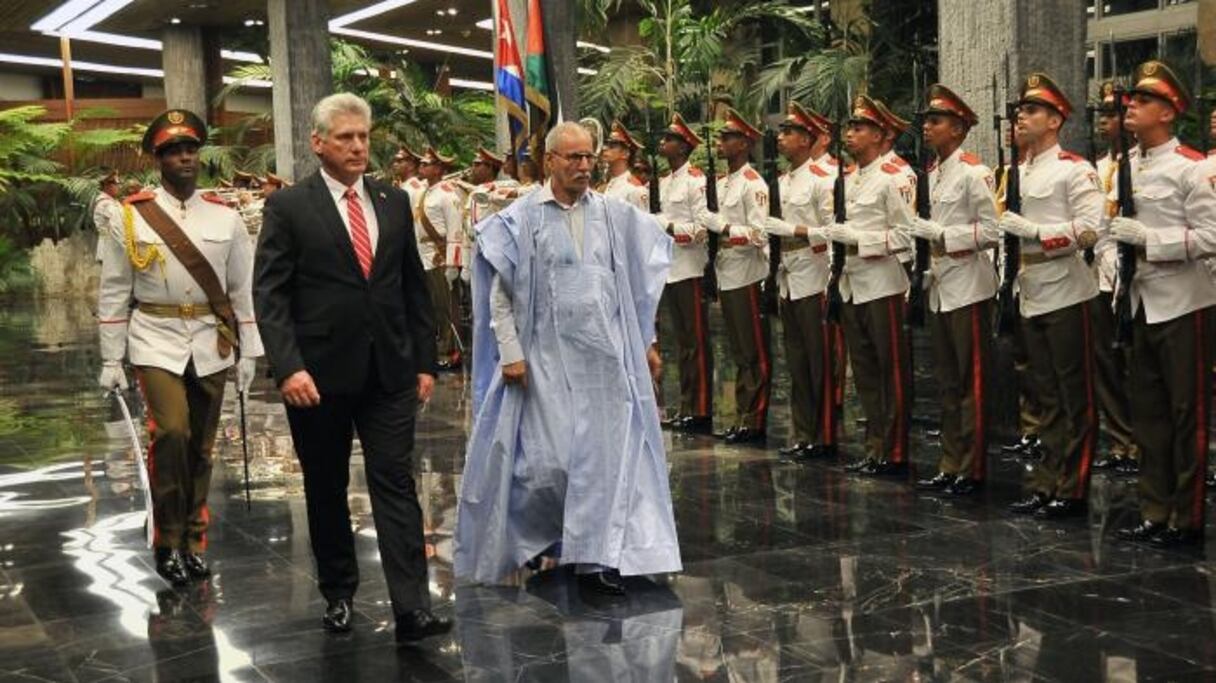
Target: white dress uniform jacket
(627, 188)
(962, 201)
(1175, 192)
(1060, 192)
(441, 205)
(172, 343)
(878, 203)
(806, 200)
(682, 202)
(909, 174)
(742, 213)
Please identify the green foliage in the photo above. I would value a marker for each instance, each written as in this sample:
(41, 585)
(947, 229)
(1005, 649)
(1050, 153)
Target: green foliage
(40, 195)
(15, 271)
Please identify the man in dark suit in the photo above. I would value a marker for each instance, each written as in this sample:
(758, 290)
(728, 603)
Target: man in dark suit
(342, 302)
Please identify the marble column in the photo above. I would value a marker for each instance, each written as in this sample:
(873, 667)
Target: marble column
(302, 73)
(977, 38)
(184, 64)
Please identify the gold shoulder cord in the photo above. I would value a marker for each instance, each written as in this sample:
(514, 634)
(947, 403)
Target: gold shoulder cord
(141, 261)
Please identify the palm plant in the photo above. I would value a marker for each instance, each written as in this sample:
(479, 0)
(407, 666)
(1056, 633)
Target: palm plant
(686, 59)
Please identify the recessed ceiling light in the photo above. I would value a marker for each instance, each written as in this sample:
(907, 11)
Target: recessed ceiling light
(452, 11)
(175, 20)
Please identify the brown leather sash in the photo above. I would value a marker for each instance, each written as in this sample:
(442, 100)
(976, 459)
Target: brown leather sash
(431, 233)
(200, 269)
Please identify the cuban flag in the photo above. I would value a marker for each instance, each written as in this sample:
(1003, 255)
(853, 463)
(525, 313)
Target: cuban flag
(509, 79)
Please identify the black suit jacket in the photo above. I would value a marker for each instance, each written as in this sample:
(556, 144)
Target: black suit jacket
(317, 312)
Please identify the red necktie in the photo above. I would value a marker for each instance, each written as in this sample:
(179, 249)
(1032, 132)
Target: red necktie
(358, 231)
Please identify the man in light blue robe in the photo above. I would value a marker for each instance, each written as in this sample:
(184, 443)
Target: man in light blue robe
(566, 450)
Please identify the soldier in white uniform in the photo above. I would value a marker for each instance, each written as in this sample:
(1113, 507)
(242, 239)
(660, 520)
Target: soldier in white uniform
(107, 210)
(1061, 211)
(684, 216)
(961, 284)
(895, 127)
(618, 153)
(1172, 299)
(179, 334)
(439, 226)
(873, 287)
(405, 174)
(1110, 364)
(741, 267)
(802, 279)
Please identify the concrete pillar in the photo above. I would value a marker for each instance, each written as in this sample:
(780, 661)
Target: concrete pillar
(1036, 35)
(299, 57)
(185, 69)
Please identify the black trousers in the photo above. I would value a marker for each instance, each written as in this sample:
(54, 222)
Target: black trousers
(322, 436)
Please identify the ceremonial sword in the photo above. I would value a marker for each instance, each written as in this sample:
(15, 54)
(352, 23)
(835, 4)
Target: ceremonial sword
(140, 463)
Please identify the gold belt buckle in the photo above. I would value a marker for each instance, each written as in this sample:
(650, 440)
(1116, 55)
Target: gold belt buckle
(186, 310)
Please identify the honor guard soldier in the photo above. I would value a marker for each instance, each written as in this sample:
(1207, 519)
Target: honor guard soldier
(618, 153)
(1172, 298)
(107, 210)
(895, 127)
(802, 278)
(741, 267)
(1110, 364)
(438, 221)
(1061, 212)
(175, 299)
(685, 216)
(272, 183)
(405, 174)
(489, 194)
(873, 287)
(961, 284)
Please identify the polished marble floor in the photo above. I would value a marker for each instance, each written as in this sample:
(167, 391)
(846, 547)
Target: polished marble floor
(793, 572)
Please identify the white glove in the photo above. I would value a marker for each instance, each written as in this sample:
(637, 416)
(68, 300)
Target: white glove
(841, 232)
(927, 230)
(466, 275)
(112, 376)
(1016, 225)
(451, 273)
(246, 369)
(1129, 231)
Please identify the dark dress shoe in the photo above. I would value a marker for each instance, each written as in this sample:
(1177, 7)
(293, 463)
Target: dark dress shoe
(820, 450)
(1108, 462)
(936, 483)
(671, 422)
(1128, 467)
(1061, 508)
(1177, 538)
(859, 465)
(1143, 532)
(338, 616)
(964, 486)
(795, 449)
(605, 583)
(1027, 443)
(196, 565)
(1030, 504)
(419, 624)
(726, 434)
(746, 435)
(1210, 481)
(697, 425)
(170, 567)
(885, 468)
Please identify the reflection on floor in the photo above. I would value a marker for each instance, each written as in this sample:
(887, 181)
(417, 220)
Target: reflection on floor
(794, 572)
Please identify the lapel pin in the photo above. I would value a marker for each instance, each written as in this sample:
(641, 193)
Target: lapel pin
(382, 195)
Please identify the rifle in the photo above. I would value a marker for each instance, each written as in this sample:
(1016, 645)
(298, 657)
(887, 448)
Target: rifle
(996, 126)
(1091, 154)
(916, 289)
(1007, 305)
(1126, 254)
(656, 205)
(840, 211)
(774, 210)
(711, 203)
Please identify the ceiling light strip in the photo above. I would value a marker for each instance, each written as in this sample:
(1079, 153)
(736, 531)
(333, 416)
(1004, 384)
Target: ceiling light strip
(410, 42)
(367, 12)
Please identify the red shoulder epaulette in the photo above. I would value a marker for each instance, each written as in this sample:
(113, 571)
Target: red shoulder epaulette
(694, 172)
(899, 161)
(751, 174)
(969, 159)
(818, 171)
(214, 198)
(832, 161)
(633, 180)
(891, 168)
(1070, 156)
(140, 197)
(1189, 152)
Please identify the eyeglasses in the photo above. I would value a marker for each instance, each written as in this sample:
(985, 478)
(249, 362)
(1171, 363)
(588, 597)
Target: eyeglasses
(576, 157)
